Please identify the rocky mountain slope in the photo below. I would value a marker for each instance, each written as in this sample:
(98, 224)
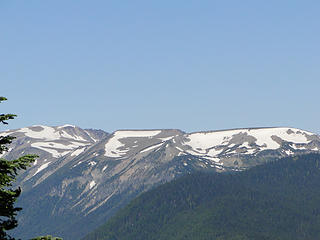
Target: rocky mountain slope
(55, 146)
(83, 177)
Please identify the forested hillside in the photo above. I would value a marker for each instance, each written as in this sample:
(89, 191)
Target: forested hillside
(278, 200)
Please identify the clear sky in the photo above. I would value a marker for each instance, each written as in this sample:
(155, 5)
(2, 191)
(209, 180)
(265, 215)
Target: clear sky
(192, 65)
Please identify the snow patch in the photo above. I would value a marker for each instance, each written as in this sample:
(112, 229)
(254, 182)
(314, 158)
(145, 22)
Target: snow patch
(166, 139)
(181, 154)
(48, 133)
(250, 151)
(77, 164)
(289, 152)
(297, 147)
(92, 184)
(245, 145)
(90, 135)
(152, 147)
(41, 168)
(112, 147)
(216, 160)
(77, 152)
(66, 125)
(57, 149)
(179, 149)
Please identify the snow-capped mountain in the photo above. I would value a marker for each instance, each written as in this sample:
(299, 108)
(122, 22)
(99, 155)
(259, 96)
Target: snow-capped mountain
(52, 142)
(216, 148)
(222, 147)
(54, 146)
(83, 176)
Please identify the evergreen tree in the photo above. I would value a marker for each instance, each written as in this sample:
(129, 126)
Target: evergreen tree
(8, 173)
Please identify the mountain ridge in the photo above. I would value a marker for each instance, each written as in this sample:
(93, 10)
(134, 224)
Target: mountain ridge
(83, 174)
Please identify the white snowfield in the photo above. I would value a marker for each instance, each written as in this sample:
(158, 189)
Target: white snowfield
(47, 134)
(204, 143)
(115, 148)
(50, 133)
(57, 149)
(49, 139)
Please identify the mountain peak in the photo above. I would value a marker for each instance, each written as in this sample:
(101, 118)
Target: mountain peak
(93, 173)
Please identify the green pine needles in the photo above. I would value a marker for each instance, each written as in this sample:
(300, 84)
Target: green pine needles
(9, 170)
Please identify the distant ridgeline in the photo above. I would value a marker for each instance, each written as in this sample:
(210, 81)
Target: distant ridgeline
(277, 200)
(84, 176)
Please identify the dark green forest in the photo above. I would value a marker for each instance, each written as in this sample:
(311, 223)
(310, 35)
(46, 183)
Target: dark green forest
(278, 200)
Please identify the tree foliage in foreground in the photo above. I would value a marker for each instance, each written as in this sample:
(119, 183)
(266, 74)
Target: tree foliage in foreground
(8, 172)
(278, 201)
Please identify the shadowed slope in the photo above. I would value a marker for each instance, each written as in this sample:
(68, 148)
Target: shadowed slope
(278, 200)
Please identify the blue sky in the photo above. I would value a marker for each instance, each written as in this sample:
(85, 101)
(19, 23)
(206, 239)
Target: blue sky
(192, 65)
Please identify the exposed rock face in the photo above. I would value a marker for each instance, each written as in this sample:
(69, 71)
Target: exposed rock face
(83, 176)
(54, 145)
